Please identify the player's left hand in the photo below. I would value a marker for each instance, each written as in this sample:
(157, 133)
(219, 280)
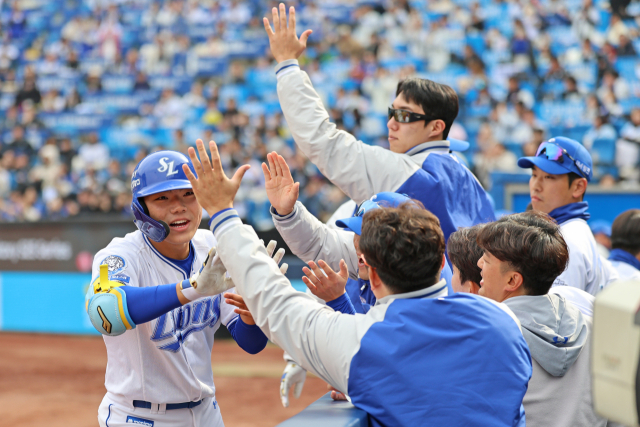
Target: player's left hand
(325, 283)
(213, 190)
(242, 309)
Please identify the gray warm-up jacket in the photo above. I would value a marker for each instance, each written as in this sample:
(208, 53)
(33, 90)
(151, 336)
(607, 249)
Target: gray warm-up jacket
(558, 336)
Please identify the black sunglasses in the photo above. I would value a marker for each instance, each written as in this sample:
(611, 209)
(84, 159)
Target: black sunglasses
(404, 116)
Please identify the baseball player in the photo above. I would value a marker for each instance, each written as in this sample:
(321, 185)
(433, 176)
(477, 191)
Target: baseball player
(419, 162)
(560, 173)
(325, 248)
(156, 298)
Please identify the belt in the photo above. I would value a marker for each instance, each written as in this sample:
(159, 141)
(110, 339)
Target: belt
(170, 406)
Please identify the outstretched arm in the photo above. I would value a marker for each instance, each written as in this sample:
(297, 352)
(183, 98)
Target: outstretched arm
(358, 169)
(307, 237)
(320, 339)
(114, 307)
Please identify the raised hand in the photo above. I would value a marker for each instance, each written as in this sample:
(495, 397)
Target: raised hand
(212, 188)
(282, 38)
(281, 190)
(325, 283)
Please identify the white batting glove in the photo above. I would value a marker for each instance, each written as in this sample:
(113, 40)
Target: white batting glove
(278, 256)
(292, 375)
(210, 280)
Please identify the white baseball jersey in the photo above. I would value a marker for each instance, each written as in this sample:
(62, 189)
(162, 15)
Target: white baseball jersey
(166, 360)
(587, 269)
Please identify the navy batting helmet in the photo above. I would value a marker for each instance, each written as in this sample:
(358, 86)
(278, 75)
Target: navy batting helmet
(158, 172)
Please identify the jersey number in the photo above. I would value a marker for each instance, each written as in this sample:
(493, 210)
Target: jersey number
(169, 168)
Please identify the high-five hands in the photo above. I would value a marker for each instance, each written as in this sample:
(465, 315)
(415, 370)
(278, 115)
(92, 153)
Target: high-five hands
(325, 283)
(238, 301)
(281, 190)
(282, 38)
(213, 190)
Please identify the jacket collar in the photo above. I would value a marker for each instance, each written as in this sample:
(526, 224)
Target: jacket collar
(432, 146)
(435, 291)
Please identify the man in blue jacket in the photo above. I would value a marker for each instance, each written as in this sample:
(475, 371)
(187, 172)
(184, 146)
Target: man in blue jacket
(418, 163)
(399, 365)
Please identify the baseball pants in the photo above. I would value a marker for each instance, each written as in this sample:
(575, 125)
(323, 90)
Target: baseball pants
(115, 411)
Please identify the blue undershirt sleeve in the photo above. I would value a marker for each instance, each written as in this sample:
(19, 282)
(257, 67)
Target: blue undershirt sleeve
(146, 304)
(342, 304)
(249, 337)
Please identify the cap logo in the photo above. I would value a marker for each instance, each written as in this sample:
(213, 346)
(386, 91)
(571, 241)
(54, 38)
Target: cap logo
(586, 169)
(135, 183)
(169, 168)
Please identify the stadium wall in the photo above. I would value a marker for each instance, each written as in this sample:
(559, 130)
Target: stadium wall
(324, 412)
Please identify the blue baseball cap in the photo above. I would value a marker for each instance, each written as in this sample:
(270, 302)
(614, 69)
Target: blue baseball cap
(458, 144)
(600, 226)
(561, 155)
(381, 200)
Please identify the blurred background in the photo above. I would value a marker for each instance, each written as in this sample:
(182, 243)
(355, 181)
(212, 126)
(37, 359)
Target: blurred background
(88, 88)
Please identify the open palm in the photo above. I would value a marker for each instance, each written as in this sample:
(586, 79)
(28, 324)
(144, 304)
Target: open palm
(281, 190)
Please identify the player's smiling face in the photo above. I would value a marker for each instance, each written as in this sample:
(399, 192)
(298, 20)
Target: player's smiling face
(404, 136)
(182, 212)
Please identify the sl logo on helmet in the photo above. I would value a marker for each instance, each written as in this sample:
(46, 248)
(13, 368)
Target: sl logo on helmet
(169, 168)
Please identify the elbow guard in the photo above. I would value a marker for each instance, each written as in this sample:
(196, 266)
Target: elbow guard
(107, 308)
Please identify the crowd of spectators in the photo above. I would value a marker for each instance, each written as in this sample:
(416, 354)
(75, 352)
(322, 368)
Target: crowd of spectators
(89, 87)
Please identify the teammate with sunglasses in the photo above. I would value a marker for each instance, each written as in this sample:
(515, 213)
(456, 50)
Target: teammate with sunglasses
(561, 171)
(418, 162)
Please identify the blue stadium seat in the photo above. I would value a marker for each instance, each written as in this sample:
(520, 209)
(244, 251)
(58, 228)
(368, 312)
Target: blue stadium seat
(627, 67)
(604, 151)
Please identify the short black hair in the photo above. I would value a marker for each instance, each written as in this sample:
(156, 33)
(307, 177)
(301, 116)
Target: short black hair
(532, 244)
(464, 253)
(405, 245)
(625, 232)
(437, 100)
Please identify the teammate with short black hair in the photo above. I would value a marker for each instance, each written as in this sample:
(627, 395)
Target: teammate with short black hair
(426, 356)
(625, 244)
(418, 163)
(464, 254)
(523, 254)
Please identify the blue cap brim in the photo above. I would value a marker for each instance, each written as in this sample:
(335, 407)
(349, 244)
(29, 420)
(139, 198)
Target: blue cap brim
(543, 164)
(159, 187)
(458, 145)
(353, 223)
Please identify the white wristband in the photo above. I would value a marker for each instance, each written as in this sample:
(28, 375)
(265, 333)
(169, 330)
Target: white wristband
(188, 292)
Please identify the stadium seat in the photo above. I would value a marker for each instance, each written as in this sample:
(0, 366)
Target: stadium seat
(604, 151)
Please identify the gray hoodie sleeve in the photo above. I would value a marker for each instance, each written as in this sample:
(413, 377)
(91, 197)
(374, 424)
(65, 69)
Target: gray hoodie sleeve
(358, 169)
(311, 240)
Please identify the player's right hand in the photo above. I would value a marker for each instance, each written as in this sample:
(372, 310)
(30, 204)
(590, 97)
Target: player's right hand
(325, 283)
(278, 181)
(283, 40)
(211, 279)
(293, 375)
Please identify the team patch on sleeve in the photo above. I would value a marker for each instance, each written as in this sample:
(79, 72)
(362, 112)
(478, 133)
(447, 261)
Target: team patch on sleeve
(122, 278)
(139, 421)
(115, 263)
